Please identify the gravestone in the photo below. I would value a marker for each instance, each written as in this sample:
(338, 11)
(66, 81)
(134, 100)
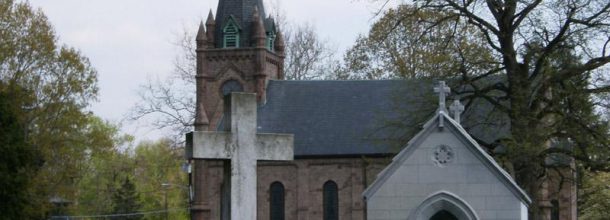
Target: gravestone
(243, 146)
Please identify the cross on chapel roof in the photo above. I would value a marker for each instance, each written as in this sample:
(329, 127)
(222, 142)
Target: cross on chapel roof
(443, 90)
(456, 108)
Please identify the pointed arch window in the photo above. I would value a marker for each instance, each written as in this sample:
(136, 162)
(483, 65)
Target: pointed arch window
(331, 201)
(230, 34)
(276, 194)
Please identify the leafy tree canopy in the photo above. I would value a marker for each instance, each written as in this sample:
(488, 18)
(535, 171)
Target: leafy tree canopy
(58, 83)
(18, 159)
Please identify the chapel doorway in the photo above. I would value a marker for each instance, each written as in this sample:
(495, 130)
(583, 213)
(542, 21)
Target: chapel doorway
(443, 215)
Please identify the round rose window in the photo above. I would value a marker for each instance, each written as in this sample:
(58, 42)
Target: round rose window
(442, 155)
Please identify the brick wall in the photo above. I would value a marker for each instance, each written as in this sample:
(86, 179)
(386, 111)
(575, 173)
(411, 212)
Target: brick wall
(303, 180)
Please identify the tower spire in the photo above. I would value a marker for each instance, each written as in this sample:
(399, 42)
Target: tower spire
(201, 35)
(279, 42)
(258, 29)
(242, 12)
(210, 25)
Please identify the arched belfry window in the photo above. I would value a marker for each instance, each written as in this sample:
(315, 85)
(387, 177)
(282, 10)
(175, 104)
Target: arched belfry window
(276, 201)
(331, 201)
(230, 34)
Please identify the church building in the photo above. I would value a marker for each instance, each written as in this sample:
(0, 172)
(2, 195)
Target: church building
(351, 158)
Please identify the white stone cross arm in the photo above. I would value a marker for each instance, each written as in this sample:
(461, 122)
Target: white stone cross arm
(243, 146)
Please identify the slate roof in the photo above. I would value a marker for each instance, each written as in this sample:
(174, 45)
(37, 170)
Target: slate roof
(242, 11)
(353, 118)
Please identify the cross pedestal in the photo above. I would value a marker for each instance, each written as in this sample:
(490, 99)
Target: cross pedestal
(243, 147)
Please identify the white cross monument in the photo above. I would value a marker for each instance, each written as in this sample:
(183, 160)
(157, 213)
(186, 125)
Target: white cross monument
(243, 146)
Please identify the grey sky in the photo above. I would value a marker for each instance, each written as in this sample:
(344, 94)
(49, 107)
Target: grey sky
(129, 41)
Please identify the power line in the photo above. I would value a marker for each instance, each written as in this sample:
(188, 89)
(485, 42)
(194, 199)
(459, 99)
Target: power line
(120, 215)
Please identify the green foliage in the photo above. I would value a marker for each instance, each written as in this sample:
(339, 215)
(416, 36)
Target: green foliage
(402, 44)
(151, 165)
(18, 159)
(125, 200)
(103, 170)
(596, 196)
(158, 163)
(58, 84)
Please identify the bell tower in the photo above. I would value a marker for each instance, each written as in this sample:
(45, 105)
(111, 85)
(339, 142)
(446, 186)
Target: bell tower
(239, 50)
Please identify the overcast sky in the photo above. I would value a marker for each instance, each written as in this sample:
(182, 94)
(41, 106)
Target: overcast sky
(130, 41)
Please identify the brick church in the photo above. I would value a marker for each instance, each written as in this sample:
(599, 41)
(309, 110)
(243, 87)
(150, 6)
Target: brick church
(345, 132)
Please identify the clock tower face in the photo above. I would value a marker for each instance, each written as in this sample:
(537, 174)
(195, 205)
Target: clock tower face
(231, 86)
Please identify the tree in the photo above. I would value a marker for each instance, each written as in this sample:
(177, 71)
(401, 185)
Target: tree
(158, 174)
(18, 159)
(402, 44)
(58, 84)
(596, 192)
(551, 57)
(125, 200)
(102, 169)
(307, 56)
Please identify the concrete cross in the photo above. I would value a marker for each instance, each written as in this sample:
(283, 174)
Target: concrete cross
(442, 89)
(456, 108)
(243, 146)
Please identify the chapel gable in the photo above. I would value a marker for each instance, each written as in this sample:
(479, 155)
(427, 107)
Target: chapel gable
(443, 172)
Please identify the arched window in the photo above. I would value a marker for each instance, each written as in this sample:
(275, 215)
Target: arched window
(231, 34)
(331, 201)
(231, 86)
(276, 202)
(554, 209)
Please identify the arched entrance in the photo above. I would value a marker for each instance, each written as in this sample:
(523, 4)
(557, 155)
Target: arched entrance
(443, 206)
(443, 215)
